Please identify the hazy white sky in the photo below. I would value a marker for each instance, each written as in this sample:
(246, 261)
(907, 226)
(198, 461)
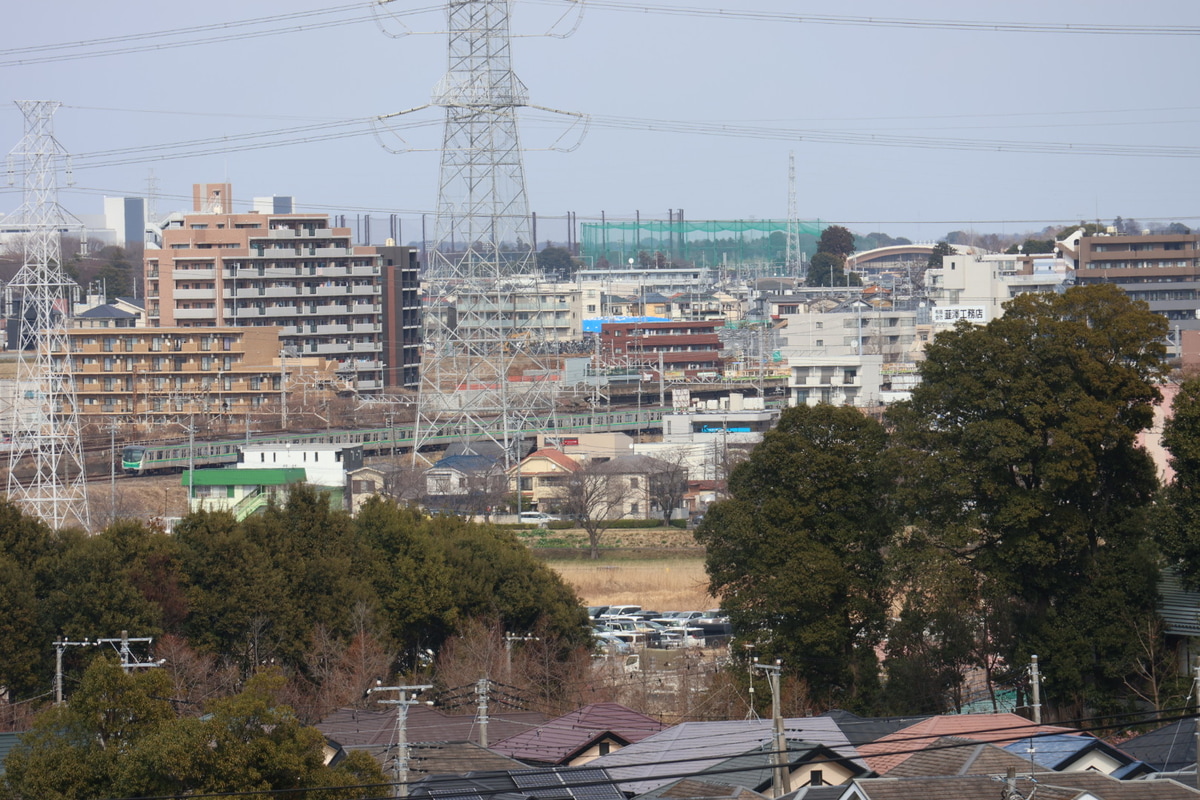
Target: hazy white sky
(969, 105)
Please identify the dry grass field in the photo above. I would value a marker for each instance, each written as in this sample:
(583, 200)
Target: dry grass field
(676, 584)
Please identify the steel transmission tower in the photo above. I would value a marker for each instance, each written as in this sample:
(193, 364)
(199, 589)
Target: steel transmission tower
(483, 374)
(793, 220)
(45, 417)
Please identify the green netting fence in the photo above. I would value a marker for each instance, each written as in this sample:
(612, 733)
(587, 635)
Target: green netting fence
(700, 242)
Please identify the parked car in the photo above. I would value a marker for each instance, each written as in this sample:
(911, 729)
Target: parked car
(620, 611)
(594, 612)
(535, 518)
(611, 642)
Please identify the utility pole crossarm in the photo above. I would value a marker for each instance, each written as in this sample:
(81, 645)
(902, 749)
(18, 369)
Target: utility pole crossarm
(405, 696)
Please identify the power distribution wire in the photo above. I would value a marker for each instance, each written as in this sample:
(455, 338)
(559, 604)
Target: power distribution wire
(611, 781)
(1072, 28)
(174, 43)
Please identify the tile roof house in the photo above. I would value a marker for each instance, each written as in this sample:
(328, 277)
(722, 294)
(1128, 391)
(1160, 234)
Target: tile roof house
(550, 783)
(580, 736)
(692, 747)
(541, 477)
(860, 730)
(886, 753)
(809, 765)
(1075, 753)
(1171, 748)
(1042, 786)
(355, 727)
(952, 755)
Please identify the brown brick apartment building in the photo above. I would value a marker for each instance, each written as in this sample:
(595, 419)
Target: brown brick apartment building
(1162, 269)
(687, 347)
(159, 373)
(290, 272)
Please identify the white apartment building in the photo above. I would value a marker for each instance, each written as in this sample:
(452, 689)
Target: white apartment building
(860, 355)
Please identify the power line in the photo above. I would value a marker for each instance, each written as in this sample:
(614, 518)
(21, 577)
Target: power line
(1072, 28)
(173, 44)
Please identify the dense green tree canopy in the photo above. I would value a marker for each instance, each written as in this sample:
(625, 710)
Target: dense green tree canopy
(118, 736)
(797, 554)
(1178, 517)
(1022, 461)
(260, 591)
(836, 240)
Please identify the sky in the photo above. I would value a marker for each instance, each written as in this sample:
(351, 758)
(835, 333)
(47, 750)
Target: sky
(912, 119)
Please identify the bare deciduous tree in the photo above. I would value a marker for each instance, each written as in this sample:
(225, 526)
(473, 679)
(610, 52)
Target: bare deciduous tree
(592, 497)
(667, 482)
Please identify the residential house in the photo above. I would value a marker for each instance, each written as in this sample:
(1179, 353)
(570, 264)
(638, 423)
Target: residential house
(552, 783)
(888, 752)
(656, 760)
(581, 736)
(1074, 753)
(541, 478)
(808, 765)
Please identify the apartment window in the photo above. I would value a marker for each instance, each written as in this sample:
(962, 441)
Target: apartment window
(206, 343)
(129, 342)
(633, 483)
(633, 508)
(108, 364)
(109, 344)
(227, 343)
(110, 384)
(206, 363)
(255, 383)
(156, 344)
(227, 362)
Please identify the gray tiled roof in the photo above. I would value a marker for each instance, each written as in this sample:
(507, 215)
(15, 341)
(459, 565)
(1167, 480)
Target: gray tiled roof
(355, 727)
(561, 739)
(695, 746)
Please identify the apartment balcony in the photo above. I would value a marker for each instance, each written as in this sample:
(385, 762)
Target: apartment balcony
(344, 291)
(348, 271)
(194, 274)
(195, 294)
(196, 313)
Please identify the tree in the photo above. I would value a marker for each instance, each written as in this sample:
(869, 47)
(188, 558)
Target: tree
(837, 241)
(591, 498)
(1177, 518)
(557, 261)
(118, 273)
(940, 251)
(119, 737)
(668, 482)
(797, 554)
(1023, 463)
(827, 269)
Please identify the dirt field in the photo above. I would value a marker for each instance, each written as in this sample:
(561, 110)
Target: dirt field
(676, 584)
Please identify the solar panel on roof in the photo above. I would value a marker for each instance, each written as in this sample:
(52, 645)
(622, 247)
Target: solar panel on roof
(534, 780)
(455, 794)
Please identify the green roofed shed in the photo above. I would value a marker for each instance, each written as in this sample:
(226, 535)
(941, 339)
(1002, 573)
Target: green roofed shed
(244, 477)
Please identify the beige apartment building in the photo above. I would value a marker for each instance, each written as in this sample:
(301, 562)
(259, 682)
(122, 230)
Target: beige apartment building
(288, 272)
(144, 374)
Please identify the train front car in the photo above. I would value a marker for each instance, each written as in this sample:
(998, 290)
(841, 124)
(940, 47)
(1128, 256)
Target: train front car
(132, 459)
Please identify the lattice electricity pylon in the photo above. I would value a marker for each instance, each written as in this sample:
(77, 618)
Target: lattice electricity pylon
(793, 220)
(46, 472)
(484, 369)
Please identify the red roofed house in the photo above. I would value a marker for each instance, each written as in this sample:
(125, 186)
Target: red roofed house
(883, 755)
(541, 477)
(577, 738)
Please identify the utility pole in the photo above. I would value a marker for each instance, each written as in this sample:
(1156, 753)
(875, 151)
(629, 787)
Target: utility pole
(481, 691)
(59, 646)
(1035, 687)
(128, 660)
(283, 389)
(509, 638)
(783, 783)
(402, 701)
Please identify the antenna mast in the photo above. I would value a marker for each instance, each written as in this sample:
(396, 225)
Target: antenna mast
(45, 417)
(482, 375)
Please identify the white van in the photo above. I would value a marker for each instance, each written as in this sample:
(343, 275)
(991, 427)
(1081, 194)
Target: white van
(535, 518)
